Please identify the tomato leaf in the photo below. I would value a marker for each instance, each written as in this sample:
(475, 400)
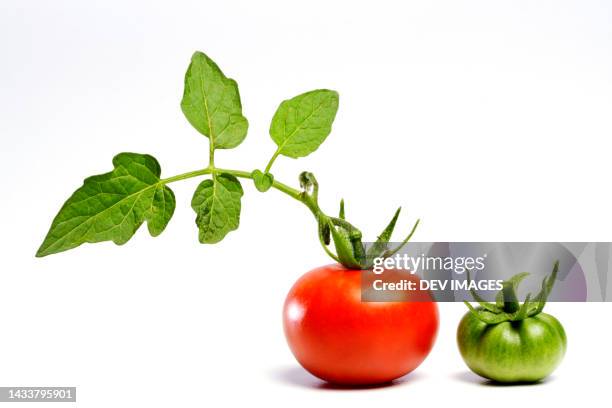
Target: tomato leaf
(217, 205)
(211, 103)
(262, 181)
(302, 123)
(112, 206)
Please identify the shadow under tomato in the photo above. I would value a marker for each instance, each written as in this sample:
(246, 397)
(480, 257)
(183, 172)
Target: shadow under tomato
(470, 377)
(298, 377)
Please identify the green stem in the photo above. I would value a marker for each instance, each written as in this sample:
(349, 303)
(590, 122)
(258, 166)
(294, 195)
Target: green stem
(211, 154)
(300, 196)
(290, 191)
(187, 175)
(271, 162)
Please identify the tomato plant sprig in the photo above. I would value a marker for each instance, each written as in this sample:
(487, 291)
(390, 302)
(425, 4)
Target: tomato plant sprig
(113, 205)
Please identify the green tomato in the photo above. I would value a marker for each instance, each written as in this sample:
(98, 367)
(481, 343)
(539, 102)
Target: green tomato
(512, 351)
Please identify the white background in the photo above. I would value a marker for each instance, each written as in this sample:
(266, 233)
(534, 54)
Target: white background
(490, 120)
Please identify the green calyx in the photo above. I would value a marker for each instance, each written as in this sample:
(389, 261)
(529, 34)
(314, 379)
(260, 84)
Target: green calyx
(506, 306)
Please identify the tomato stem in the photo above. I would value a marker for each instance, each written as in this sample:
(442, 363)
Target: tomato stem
(309, 200)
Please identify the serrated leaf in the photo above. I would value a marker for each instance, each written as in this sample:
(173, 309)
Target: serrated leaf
(262, 181)
(217, 205)
(302, 123)
(211, 103)
(112, 206)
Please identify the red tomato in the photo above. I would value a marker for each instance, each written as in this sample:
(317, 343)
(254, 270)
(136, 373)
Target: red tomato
(340, 339)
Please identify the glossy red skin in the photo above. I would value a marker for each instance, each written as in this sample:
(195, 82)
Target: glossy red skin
(342, 340)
